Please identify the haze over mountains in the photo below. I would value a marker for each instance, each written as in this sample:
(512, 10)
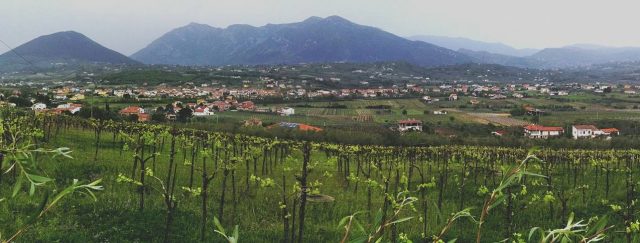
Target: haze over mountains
(314, 40)
(457, 43)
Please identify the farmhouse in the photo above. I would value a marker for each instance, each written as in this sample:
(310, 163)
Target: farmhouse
(610, 131)
(584, 131)
(410, 125)
(137, 111)
(591, 131)
(537, 131)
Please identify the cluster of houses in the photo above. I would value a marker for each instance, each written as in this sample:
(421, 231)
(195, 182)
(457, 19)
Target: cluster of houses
(203, 109)
(578, 131)
(531, 131)
(59, 109)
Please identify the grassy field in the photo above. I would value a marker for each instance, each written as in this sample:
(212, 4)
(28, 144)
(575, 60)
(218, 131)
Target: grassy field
(587, 107)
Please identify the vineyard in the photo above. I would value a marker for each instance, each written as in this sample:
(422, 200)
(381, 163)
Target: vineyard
(157, 183)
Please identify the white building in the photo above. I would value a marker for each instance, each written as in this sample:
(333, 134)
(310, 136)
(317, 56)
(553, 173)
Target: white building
(286, 111)
(440, 112)
(591, 131)
(38, 106)
(202, 111)
(73, 108)
(585, 131)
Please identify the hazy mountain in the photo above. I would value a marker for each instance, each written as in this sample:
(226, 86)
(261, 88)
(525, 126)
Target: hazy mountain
(585, 55)
(331, 39)
(506, 60)
(588, 46)
(59, 49)
(457, 43)
(562, 57)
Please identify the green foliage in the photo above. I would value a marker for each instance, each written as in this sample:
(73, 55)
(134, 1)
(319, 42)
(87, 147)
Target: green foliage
(233, 238)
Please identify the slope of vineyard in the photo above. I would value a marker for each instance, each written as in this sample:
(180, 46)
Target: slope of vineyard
(255, 183)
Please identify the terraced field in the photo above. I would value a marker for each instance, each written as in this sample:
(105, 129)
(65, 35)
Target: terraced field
(500, 119)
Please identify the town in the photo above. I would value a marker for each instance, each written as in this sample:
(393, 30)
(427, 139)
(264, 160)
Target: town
(519, 104)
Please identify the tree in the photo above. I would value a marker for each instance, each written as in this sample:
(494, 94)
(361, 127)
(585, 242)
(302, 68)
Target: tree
(20, 101)
(158, 117)
(520, 111)
(168, 108)
(42, 98)
(184, 114)
(132, 118)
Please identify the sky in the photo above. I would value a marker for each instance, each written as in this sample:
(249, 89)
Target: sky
(129, 25)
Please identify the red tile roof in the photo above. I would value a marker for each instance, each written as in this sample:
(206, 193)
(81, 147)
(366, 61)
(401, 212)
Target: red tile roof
(610, 130)
(130, 110)
(542, 128)
(409, 121)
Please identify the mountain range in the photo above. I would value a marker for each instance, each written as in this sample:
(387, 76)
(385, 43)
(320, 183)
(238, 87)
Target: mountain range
(61, 48)
(314, 40)
(331, 39)
(561, 57)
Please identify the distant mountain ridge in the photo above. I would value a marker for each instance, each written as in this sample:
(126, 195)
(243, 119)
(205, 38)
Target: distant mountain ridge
(67, 47)
(582, 55)
(331, 39)
(561, 57)
(458, 43)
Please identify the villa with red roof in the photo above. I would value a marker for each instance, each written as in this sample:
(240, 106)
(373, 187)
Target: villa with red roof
(136, 110)
(538, 131)
(591, 131)
(202, 111)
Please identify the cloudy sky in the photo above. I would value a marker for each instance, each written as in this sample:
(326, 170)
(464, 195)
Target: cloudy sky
(129, 25)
